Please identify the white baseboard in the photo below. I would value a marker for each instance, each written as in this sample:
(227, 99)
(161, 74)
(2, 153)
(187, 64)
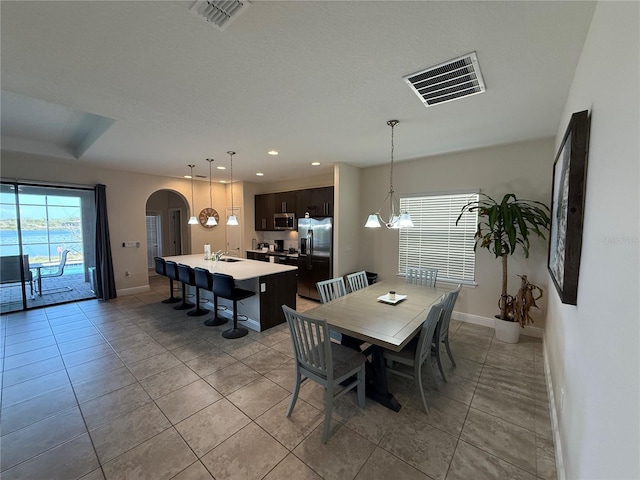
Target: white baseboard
(561, 475)
(489, 322)
(133, 291)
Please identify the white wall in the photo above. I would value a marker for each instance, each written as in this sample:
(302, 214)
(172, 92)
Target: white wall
(592, 348)
(522, 168)
(347, 224)
(127, 195)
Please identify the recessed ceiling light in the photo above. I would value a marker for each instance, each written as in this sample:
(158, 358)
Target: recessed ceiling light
(223, 181)
(259, 174)
(315, 164)
(187, 176)
(272, 152)
(221, 167)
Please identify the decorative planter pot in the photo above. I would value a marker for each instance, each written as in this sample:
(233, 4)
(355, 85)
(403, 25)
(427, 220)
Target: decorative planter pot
(506, 331)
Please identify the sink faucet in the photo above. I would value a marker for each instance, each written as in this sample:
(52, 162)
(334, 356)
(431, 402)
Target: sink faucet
(217, 255)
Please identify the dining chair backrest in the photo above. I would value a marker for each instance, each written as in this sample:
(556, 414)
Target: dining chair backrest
(422, 276)
(357, 281)
(311, 343)
(449, 302)
(331, 289)
(423, 349)
(161, 266)
(60, 269)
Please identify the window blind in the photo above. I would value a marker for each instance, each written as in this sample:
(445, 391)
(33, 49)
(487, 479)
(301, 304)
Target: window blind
(436, 241)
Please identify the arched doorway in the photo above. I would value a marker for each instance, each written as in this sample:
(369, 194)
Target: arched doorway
(167, 212)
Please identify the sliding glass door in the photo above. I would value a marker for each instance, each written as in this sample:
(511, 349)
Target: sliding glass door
(52, 229)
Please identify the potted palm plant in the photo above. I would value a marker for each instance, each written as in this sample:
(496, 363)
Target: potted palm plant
(502, 226)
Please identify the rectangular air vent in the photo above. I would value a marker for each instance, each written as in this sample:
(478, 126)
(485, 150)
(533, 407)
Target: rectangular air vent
(448, 81)
(219, 12)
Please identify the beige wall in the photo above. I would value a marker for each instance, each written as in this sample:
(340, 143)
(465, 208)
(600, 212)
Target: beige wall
(592, 348)
(347, 227)
(522, 168)
(127, 195)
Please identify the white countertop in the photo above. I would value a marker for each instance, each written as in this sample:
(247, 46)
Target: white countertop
(240, 270)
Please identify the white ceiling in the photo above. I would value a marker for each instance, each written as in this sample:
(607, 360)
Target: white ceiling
(316, 81)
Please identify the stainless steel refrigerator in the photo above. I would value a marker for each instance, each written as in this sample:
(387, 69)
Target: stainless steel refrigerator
(315, 254)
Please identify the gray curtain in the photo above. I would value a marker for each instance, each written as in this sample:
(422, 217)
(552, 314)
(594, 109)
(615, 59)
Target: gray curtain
(106, 282)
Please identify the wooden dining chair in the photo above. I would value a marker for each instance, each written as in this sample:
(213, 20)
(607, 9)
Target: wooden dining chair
(357, 281)
(418, 352)
(319, 359)
(331, 289)
(442, 329)
(422, 276)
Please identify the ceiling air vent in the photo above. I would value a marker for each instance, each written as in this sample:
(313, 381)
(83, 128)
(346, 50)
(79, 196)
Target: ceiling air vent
(219, 12)
(448, 81)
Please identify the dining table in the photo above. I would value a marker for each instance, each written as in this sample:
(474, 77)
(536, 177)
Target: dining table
(370, 316)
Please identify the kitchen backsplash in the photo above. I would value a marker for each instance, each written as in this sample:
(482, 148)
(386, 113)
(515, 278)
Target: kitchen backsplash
(290, 238)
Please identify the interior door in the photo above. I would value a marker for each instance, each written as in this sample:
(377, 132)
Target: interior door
(154, 238)
(175, 232)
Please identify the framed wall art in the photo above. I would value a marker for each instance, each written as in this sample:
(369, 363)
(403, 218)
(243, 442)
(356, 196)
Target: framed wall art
(567, 208)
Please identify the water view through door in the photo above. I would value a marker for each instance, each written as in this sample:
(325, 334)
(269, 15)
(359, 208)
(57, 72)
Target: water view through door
(47, 238)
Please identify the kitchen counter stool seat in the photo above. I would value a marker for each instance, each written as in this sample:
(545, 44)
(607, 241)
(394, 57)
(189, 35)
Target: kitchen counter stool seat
(172, 272)
(224, 287)
(185, 276)
(204, 280)
(161, 269)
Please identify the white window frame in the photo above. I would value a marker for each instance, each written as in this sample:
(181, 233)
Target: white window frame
(436, 241)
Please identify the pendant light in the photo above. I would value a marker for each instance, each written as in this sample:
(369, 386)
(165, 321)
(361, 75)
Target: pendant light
(233, 221)
(396, 218)
(211, 220)
(192, 220)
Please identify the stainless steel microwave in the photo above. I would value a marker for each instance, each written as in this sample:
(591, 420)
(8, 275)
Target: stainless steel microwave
(284, 221)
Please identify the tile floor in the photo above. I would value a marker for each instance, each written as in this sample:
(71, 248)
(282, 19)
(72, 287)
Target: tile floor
(131, 388)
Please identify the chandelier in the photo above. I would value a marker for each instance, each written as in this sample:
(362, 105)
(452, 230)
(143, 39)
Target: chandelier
(192, 220)
(396, 219)
(233, 220)
(211, 220)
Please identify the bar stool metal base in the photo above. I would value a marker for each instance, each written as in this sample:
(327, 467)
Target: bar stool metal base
(185, 305)
(235, 332)
(198, 312)
(172, 300)
(215, 321)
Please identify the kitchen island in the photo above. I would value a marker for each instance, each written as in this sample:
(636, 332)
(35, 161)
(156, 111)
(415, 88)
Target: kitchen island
(274, 285)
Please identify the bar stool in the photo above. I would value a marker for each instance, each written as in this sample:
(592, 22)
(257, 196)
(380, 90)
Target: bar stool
(185, 275)
(204, 280)
(161, 269)
(224, 286)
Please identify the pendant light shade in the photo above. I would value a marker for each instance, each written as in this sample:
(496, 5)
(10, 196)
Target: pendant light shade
(211, 220)
(396, 219)
(192, 220)
(372, 221)
(232, 220)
